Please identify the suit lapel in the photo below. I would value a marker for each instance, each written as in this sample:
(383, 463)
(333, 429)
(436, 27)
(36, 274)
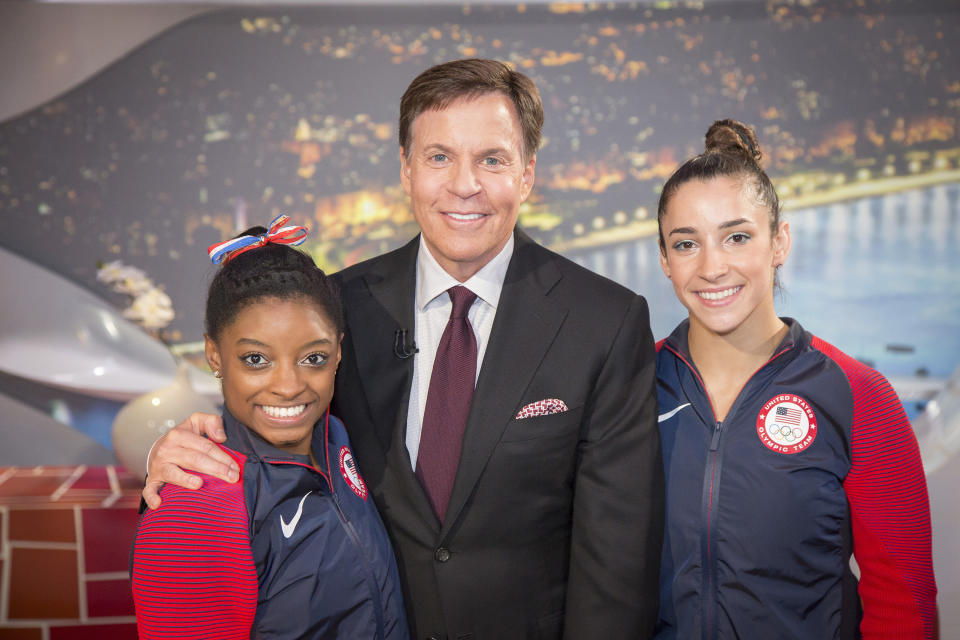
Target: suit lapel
(387, 305)
(512, 358)
(377, 313)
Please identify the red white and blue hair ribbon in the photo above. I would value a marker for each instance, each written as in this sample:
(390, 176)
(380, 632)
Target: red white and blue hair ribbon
(276, 234)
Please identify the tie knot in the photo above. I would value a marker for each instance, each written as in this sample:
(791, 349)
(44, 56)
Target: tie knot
(462, 299)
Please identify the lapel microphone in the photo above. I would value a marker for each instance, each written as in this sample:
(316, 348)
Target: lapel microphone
(401, 348)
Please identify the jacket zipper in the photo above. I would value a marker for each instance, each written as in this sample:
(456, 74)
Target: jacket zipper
(711, 473)
(371, 577)
(355, 538)
(716, 436)
(709, 590)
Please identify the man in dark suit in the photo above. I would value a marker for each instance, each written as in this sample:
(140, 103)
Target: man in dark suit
(500, 399)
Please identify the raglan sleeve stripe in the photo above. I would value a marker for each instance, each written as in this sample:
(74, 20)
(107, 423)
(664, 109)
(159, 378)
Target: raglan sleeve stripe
(192, 568)
(887, 492)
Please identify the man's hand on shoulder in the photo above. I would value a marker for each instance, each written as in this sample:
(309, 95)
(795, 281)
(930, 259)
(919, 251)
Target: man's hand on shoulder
(184, 448)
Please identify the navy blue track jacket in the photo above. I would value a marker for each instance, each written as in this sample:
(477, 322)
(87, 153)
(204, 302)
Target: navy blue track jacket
(815, 457)
(287, 552)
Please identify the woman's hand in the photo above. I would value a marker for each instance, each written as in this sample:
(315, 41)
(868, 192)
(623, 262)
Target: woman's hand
(184, 447)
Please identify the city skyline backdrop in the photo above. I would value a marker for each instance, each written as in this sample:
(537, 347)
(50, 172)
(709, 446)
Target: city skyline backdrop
(233, 117)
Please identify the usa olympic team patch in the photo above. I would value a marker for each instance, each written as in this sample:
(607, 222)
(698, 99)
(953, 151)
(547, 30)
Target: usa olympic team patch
(786, 424)
(348, 469)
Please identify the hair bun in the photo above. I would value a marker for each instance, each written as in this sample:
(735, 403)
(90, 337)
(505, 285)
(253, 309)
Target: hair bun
(733, 138)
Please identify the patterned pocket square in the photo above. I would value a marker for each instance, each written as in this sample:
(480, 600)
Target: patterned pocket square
(542, 408)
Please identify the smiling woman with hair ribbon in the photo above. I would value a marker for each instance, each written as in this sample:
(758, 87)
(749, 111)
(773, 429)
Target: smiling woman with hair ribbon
(782, 454)
(296, 549)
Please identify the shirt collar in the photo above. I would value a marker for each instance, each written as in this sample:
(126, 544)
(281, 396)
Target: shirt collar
(487, 283)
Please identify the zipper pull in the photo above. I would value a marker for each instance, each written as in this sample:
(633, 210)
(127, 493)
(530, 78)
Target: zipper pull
(716, 436)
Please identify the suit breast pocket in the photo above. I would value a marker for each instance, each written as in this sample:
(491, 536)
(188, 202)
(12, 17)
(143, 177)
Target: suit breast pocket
(556, 425)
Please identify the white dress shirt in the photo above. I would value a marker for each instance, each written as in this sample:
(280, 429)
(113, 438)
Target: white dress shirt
(430, 319)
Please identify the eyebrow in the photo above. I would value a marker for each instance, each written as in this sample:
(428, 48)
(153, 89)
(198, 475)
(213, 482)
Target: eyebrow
(257, 343)
(723, 225)
(734, 223)
(436, 146)
(492, 151)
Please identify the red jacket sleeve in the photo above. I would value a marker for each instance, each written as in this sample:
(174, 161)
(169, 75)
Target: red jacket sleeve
(887, 491)
(192, 568)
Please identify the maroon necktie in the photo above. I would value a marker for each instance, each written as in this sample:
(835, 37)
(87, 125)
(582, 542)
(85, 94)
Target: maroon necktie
(448, 403)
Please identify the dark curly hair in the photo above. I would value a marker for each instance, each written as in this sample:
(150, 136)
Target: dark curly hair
(731, 150)
(270, 271)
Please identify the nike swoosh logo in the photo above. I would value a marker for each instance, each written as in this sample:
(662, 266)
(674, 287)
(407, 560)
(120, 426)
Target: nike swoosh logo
(288, 528)
(670, 414)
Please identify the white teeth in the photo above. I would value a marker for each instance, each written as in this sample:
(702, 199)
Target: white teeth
(718, 295)
(283, 412)
(465, 216)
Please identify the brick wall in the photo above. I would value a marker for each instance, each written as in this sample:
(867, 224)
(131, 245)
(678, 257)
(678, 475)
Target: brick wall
(65, 535)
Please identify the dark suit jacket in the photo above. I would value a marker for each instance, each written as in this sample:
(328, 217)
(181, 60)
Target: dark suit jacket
(555, 523)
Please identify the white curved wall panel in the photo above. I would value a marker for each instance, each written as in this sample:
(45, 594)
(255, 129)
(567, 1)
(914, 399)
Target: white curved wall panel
(56, 333)
(31, 438)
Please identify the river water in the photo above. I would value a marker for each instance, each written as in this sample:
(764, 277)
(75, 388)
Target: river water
(878, 277)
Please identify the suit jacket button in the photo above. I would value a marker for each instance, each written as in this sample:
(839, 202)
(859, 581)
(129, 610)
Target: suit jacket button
(442, 554)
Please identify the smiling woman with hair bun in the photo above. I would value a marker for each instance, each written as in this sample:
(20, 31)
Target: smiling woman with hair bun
(782, 454)
(296, 548)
